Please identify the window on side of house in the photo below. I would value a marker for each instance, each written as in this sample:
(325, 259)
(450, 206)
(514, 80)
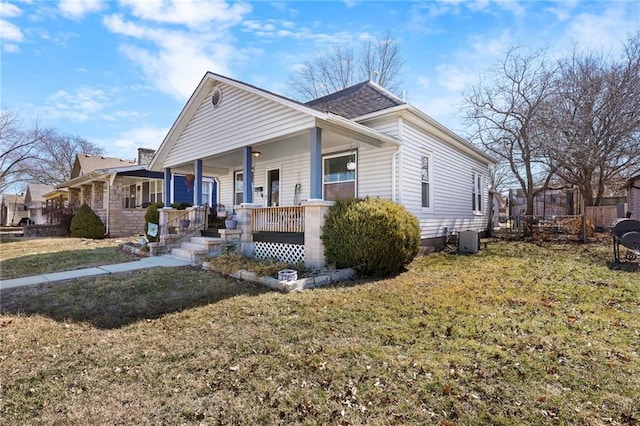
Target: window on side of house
(155, 191)
(338, 182)
(476, 192)
(238, 188)
(425, 177)
(129, 196)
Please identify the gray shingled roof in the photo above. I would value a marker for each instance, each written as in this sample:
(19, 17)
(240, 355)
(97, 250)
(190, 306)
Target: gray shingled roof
(355, 101)
(86, 163)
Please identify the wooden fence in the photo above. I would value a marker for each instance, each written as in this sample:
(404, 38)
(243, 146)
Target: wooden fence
(601, 216)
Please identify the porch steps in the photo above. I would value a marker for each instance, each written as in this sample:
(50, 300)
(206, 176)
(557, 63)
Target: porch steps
(197, 248)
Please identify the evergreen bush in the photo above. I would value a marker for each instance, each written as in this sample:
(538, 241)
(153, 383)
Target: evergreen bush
(87, 224)
(152, 216)
(376, 236)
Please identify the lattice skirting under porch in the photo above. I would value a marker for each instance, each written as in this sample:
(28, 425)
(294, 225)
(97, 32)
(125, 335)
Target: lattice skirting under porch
(289, 253)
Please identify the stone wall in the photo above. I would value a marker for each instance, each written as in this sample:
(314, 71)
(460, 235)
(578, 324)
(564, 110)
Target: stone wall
(126, 222)
(123, 222)
(46, 231)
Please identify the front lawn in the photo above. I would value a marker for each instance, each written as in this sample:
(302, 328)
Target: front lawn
(517, 334)
(34, 256)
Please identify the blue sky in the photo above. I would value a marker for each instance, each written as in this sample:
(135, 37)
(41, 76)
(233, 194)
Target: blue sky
(119, 72)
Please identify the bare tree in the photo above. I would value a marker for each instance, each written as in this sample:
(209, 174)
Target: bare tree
(381, 62)
(595, 118)
(17, 147)
(378, 60)
(506, 111)
(56, 156)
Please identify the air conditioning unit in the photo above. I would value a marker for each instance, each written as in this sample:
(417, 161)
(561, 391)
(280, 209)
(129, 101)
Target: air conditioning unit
(468, 242)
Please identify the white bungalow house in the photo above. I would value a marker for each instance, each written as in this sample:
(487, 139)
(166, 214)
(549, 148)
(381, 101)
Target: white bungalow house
(271, 154)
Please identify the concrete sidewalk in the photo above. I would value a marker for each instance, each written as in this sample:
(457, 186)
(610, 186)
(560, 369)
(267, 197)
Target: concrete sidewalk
(166, 261)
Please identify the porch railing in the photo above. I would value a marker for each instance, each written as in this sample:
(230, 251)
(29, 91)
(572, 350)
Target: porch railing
(185, 223)
(278, 219)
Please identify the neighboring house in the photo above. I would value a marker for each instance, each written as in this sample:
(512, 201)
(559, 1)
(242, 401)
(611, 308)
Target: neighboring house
(270, 151)
(633, 197)
(120, 190)
(35, 202)
(552, 202)
(12, 209)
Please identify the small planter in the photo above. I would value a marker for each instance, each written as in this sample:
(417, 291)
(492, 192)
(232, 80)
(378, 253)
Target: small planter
(230, 223)
(287, 275)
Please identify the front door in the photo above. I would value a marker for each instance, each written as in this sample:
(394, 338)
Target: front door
(273, 188)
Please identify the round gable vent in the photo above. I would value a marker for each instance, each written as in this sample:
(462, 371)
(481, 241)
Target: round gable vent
(216, 97)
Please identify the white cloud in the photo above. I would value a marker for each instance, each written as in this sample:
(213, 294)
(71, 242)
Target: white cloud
(563, 10)
(10, 32)
(8, 10)
(85, 104)
(77, 9)
(192, 13)
(605, 30)
(125, 144)
(453, 78)
(423, 81)
(10, 48)
(174, 60)
(484, 47)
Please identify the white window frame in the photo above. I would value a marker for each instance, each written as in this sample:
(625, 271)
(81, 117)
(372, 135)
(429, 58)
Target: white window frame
(428, 208)
(235, 186)
(347, 155)
(477, 192)
(156, 187)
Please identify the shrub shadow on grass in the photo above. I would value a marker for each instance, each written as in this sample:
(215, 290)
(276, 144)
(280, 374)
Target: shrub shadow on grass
(114, 301)
(44, 263)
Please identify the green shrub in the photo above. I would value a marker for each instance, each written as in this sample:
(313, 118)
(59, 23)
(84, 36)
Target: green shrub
(152, 216)
(376, 236)
(181, 206)
(87, 224)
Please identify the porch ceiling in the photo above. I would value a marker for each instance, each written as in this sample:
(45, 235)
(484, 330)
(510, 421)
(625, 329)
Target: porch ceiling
(284, 147)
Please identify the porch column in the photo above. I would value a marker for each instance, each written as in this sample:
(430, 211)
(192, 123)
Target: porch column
(167, 187)
(197, 184)
(247, 164)
(314, 212)
(315, 169)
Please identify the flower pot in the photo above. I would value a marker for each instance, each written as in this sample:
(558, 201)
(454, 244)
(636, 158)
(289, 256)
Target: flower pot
(230, 223)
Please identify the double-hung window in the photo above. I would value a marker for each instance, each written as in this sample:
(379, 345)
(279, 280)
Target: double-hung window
(155, 191)
(339, 176)
(425, 178)
(238, 188)
(476, 192)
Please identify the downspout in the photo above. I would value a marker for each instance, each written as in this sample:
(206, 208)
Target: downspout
(399, 161)
(109, 183)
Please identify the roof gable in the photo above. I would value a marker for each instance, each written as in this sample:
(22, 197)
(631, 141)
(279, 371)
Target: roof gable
(8, 199)
(86, 163)
(35, 192)
(358, 100)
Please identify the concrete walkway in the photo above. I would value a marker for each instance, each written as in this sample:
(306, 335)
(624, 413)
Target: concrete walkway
(166, 261)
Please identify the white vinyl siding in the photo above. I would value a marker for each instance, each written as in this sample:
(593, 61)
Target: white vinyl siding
(449, 184)
(425, 179)
(241, 119)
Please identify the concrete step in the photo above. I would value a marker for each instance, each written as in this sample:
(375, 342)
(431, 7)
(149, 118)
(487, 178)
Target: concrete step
(195, 248)
(188, 255)
(208, 241)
